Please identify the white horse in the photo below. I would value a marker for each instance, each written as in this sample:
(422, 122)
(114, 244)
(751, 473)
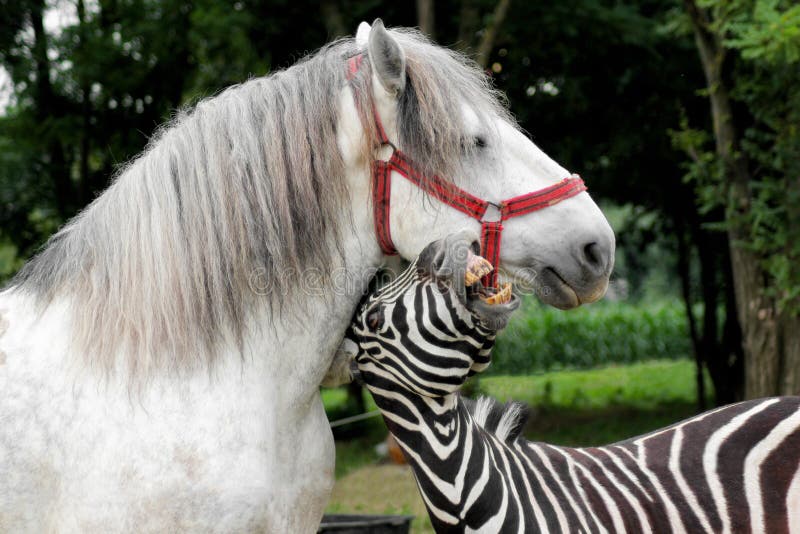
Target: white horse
(160, 358)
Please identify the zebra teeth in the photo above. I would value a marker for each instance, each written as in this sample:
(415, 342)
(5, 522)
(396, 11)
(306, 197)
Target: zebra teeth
(477, 268)
(501, 297)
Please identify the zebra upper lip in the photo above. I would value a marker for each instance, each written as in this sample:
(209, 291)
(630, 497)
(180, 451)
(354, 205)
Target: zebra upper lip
(477, 268)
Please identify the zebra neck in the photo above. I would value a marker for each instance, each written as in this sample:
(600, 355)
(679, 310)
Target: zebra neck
(450, 454)
(423, 425)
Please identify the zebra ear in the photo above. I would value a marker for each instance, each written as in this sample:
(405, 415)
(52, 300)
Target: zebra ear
(445, 260)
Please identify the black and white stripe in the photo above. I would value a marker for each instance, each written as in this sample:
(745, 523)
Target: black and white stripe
(731, 470)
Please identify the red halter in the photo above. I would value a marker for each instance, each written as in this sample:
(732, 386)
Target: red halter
(491, 215)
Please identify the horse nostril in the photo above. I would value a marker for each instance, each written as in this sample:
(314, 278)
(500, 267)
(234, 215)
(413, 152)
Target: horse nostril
(593, 255)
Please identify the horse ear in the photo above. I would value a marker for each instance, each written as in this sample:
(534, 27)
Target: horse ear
(388, 59)
(362, 35)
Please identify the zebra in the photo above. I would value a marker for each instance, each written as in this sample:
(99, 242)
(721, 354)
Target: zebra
(730, 470)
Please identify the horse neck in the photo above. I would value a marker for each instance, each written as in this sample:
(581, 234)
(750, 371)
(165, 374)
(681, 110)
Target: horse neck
(291, 339)
(309, 339)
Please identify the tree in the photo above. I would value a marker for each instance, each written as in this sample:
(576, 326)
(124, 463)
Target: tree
(750, 54)
(87, 99)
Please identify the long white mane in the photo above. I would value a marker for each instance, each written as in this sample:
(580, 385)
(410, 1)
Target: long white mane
(158, 269)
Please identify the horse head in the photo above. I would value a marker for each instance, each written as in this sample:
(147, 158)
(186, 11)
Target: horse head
(438, 110)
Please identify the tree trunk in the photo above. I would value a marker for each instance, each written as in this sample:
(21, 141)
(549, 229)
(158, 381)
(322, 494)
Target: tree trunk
(490, 33)
(732, 349)
(425, 18)
(763, 341)
(757, 316)
(332, 18)
(467, 25)
(85, 187)
(684, 273)
(789, 374)
(710, 291)
(47, 107)
(790, 325)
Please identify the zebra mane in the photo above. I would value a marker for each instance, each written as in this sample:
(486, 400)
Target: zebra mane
(503, 420)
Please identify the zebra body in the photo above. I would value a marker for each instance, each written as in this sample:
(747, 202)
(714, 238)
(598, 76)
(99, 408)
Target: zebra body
(731, 470)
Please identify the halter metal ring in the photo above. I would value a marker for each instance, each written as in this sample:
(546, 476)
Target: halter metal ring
(386, 150)
(493, 213)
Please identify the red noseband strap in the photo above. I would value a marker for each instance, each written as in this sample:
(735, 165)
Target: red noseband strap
(491, 215)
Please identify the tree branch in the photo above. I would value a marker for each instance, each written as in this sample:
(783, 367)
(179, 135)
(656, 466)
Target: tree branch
(490, 34)
(712, 53)
(84, 187)
(332, 18)
(467, 26)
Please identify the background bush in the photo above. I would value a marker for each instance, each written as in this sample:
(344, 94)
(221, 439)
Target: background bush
(542, 339)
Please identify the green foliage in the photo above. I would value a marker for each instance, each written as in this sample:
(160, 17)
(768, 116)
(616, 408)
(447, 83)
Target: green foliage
(641, 385)
(600, 406)
(10, 261)
(702, 171)
(773, 142)
(85, 99)
(541, 339)
(644, 265)
(771, 32)
(762, 41)
(222, 45)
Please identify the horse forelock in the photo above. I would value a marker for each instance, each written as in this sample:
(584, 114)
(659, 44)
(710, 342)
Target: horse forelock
(246, 187)
(432, 125)
(431, 120)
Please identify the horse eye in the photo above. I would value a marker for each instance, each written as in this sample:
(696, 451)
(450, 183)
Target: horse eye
(477, 141)
(374, 318)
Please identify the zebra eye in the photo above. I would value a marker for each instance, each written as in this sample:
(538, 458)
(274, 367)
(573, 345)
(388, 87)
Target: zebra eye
(375, 318)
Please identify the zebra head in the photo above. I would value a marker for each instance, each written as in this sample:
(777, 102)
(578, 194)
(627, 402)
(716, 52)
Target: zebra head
(429, 330)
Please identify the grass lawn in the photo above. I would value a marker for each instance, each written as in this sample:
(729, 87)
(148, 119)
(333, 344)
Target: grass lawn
(567, 408)
(601, 405)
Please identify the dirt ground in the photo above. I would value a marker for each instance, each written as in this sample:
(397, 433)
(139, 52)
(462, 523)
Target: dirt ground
(381, 489)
